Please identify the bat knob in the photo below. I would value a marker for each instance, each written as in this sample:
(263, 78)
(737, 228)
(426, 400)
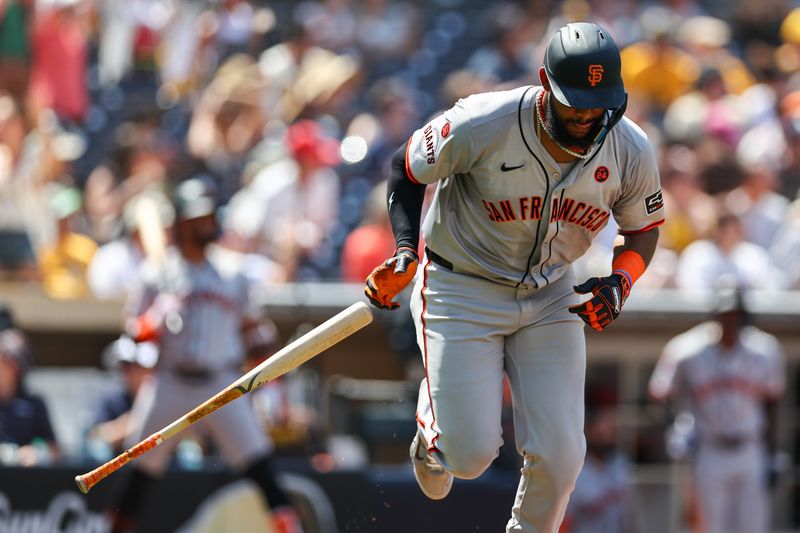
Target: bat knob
(82, 484)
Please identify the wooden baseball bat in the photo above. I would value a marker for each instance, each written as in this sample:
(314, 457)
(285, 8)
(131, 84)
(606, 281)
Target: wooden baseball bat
(151, 228)
(291, 356)
(153, 236)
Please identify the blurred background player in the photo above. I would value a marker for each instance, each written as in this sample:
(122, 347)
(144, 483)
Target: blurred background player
(730, 375)
(26, 435)
(204, 322)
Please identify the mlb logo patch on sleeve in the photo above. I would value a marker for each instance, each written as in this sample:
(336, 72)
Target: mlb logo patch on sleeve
(654, 202)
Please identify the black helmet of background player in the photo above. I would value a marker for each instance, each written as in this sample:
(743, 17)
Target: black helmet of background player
(729, 298)
(195, 210)
(584, 68)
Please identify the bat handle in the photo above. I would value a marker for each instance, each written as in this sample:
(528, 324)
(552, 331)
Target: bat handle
(90, 479)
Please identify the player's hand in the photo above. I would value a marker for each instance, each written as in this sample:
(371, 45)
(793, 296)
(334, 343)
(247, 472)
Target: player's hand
(608, 296)
(391, 277)
(163, 313)
(164, 304)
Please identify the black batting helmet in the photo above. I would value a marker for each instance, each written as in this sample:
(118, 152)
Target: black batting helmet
(194, 198)
(583, 65)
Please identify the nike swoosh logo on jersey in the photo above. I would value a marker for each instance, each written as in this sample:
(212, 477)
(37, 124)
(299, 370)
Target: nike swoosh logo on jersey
(505, 168)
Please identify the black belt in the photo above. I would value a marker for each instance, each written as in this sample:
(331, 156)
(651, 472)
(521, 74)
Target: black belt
(195, 374)
(729, 442)
(438, 259)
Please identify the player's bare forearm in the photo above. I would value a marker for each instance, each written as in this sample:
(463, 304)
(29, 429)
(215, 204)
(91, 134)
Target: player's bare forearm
(642, 243)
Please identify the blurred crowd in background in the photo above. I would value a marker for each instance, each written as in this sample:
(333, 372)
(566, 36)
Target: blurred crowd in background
(293, 110)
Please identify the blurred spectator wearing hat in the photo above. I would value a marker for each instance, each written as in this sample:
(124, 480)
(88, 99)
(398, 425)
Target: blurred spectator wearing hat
(291, 205)
(26, 435)
(112, 425)
(64, 263)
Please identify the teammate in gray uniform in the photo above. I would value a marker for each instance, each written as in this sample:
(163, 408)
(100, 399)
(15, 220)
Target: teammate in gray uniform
(525, 179)
(731, 376)
(200, 312)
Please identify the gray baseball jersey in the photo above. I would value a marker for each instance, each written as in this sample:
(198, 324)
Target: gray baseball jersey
(504, 211)
(724, 390)
(214, 299)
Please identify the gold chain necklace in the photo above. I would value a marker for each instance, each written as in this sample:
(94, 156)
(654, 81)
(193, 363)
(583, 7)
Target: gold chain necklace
(540, 120)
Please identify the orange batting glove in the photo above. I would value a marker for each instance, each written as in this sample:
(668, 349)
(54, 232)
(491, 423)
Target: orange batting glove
(391, 277)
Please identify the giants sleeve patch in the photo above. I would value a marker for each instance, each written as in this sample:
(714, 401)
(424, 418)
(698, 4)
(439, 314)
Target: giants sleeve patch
(654, 202)
(429, 147)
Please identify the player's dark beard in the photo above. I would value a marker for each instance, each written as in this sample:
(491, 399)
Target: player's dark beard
(557, 129)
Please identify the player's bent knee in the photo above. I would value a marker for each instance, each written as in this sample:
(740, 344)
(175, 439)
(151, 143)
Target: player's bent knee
(470, 469)
(563, 466)
(470, 462)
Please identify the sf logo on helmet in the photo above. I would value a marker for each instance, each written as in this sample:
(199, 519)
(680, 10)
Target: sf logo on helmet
(595, 74)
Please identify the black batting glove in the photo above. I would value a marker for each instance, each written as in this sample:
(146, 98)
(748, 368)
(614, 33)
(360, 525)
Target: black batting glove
(608, 296)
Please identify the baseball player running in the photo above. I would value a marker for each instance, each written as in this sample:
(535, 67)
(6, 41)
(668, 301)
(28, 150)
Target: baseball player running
(200, 312)
(525, 179)
(731, 376)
